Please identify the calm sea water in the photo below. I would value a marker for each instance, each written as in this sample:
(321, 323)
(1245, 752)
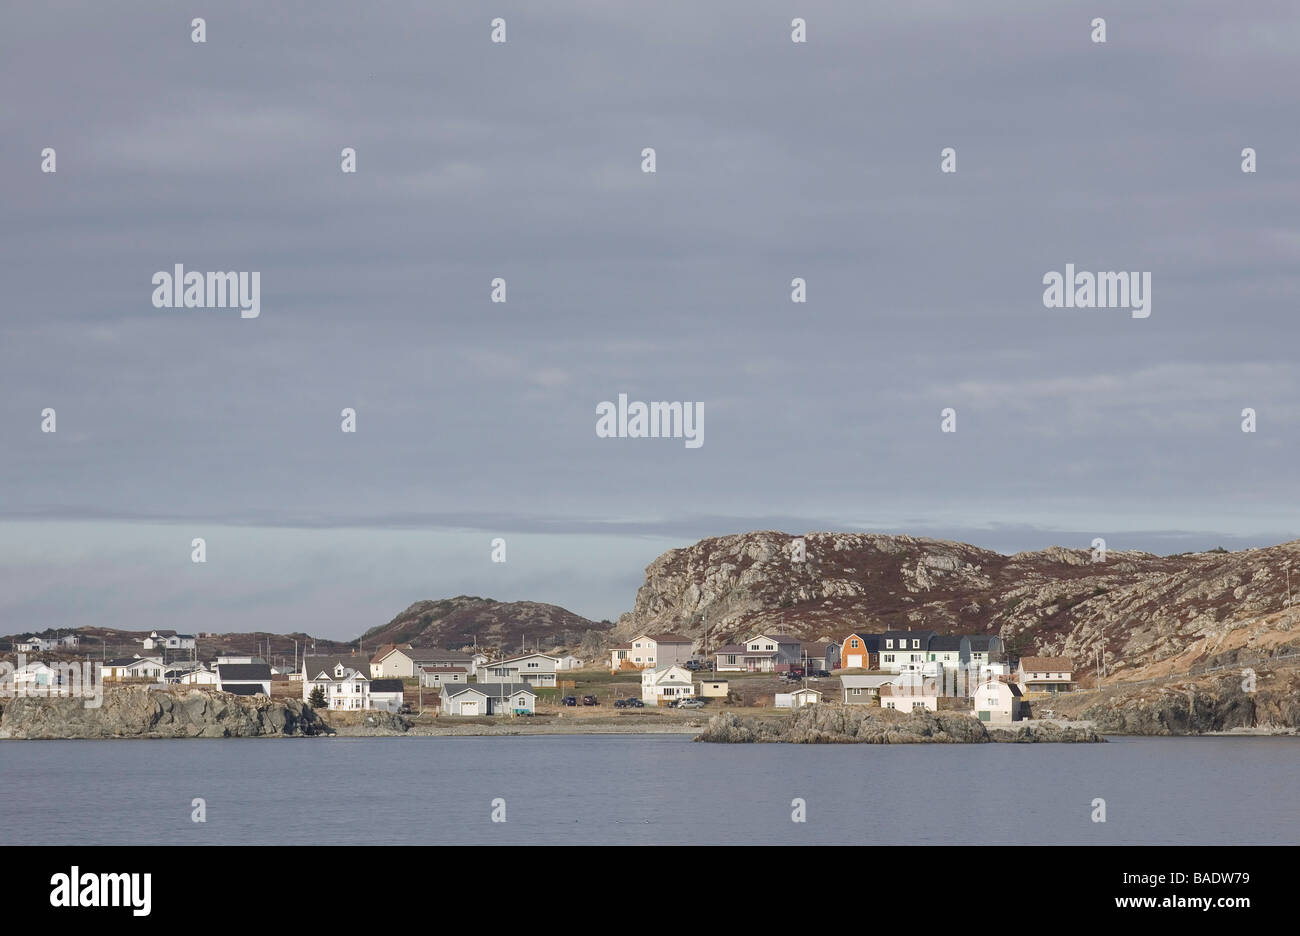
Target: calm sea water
(647, 790)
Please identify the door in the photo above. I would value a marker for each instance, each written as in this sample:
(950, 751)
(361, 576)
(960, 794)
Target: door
(855, 661)
(469, 708)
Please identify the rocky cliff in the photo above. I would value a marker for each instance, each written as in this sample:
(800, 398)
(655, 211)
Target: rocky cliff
(1270, 703)
(851, 724)
(1149, 614)
(140, 712)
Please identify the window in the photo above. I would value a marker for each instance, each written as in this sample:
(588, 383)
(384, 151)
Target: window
(915, 643)
(853, 644)
(889, 643)
(857, 692)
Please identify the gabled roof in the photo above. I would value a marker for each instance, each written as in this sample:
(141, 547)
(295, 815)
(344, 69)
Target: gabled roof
(387, 685)
(523, 656)
(868, 681)
(730, 648)
(490, 690)
(434, 654)
(870, 642)
(1046, 664)
(666, 638)
(777, 638)
(313, 666)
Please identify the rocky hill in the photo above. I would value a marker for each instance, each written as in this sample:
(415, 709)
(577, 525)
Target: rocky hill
(861, 724)
(1149, 614)
(455, 623)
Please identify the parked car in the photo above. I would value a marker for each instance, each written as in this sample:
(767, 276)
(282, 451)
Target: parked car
(691, 703)
(524, 711)
(820, 674)
(634, 703)
(694, 665)
(620, 703)
(569, 700)
(590, 700)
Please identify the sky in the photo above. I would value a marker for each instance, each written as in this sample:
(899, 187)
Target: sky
(523, 160)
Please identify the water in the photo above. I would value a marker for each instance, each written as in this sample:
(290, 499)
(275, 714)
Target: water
(657, 789)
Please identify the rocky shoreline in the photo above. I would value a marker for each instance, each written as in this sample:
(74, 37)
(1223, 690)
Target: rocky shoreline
(836, 724)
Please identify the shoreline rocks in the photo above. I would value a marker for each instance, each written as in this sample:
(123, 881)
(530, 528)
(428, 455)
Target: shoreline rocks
(838, 724)
(142, 712)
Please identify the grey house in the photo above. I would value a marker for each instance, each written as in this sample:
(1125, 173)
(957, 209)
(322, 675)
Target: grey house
(487, 699)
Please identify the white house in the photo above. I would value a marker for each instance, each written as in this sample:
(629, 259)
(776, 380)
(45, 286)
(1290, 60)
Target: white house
(386, 694)
(997, 701)
(1045, 674)
(904, 651)
(244, 678)
(35, 678)
(762, 653)
(70, 641)
(567, 661)
(343, 680)
(35, 644)
(666, 683)
(136, 667)
(536, 669)
(910, 696)
(488, 699)
(650, 650)
(168, 640)
(199, 677)
(801, 697)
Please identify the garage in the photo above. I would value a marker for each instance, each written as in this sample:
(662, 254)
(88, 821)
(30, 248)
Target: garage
(855, 661)
(469, 707)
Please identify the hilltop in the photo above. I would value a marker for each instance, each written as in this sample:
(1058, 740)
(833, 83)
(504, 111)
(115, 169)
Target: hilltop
(459, 622)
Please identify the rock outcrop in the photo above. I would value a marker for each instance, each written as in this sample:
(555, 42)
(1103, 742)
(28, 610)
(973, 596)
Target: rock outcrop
(141, 712)
(1192, 707)
(1150, 615)
(850, 724)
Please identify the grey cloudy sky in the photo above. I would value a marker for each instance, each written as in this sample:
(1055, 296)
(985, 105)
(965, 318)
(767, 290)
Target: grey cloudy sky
(522, 160)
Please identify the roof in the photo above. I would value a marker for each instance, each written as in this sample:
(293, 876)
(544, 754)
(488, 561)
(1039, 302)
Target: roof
(422, 654)
(443, 669)
(243, 671)
(491, 690)
(387, 685)
(945, 642)
(779, 638)
(730, 648)
(669, 638)
(1046, 664)
(522, 656)
(980, 642)
(313, 666)
(868, 681)
(870, 641)
(923, 636)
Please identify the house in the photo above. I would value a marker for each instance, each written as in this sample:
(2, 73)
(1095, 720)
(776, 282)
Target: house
(387, 695)
(33, 679)
(244, 678)
(488, 699)
(236, 658)
(904, 651)
(713, 688)
(801, 697)
(651, 650)
(864, 689)
(536, 669)
(860, 651)
(134, 667)
(666, 683)
(762, 653)
(997, 702)
(69, 641)
(567, 661)
(402, 661)
(198, 677)
(820, 655)
(343, 679)
(441, 675)
(168, 640)
(35, 644)
(910, 695)
(1045, 674)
